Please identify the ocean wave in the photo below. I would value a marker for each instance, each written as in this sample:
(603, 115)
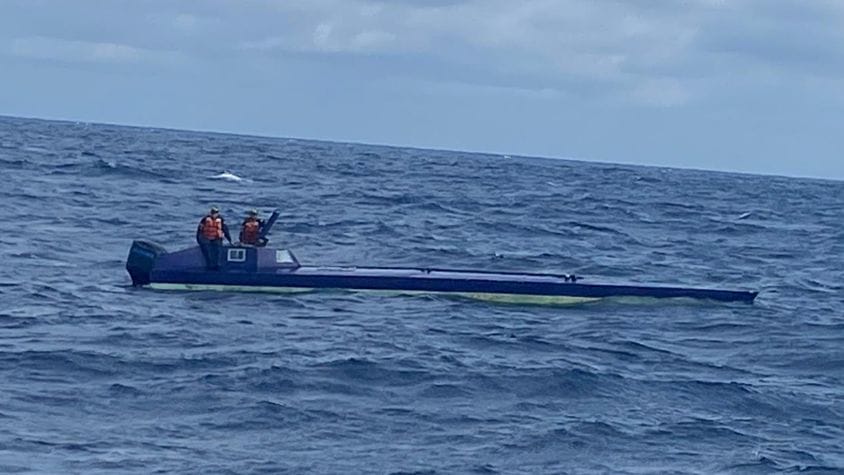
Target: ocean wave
(104, 168)
(342, 382)
(361, 370)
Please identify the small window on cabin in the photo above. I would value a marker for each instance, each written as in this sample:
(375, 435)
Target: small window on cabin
(283, 257)
(237, 255)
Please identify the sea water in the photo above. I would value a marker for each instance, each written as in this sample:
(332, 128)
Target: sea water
(100, 377)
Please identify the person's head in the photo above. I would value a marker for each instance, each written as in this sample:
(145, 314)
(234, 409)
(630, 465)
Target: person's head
(252, 213)
(214, 211)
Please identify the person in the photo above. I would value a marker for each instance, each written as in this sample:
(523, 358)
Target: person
(250, 230)
(209, 235)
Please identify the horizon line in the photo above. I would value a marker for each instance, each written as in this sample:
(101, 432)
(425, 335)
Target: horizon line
(592, 161)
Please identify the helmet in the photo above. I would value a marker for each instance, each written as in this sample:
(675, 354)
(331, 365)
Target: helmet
(252, 212)
(215, 209)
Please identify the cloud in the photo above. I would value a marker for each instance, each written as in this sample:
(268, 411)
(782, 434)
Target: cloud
(660, 92)
(462, 89)
(45, 48)
(551, 44)
(662, 53)
(186, 22)
(782, 36)
(327, 37)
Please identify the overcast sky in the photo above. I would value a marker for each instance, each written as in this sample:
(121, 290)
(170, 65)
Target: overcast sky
(742, 85)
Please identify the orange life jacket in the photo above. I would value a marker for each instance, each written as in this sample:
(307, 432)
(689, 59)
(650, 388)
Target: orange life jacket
(249, 234)
(212, 228)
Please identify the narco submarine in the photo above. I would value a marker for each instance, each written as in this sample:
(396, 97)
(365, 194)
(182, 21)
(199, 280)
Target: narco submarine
(263, 269)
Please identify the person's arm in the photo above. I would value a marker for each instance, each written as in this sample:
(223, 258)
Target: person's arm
(199, 229)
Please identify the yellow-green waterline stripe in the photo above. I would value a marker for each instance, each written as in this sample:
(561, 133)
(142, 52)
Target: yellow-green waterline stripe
(485, 296)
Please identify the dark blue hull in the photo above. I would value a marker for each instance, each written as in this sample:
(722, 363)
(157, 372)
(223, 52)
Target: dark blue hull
(271, 269)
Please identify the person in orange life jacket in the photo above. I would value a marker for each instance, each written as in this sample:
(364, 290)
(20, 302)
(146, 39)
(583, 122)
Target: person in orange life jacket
(250, 230)
(209, 235)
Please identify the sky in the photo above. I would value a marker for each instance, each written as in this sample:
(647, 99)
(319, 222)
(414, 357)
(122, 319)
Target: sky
(737, 85)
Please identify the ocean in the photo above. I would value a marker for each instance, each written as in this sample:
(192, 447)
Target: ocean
(99, 377)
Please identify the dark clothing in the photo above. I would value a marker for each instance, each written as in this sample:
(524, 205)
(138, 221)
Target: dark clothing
(211, 248)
